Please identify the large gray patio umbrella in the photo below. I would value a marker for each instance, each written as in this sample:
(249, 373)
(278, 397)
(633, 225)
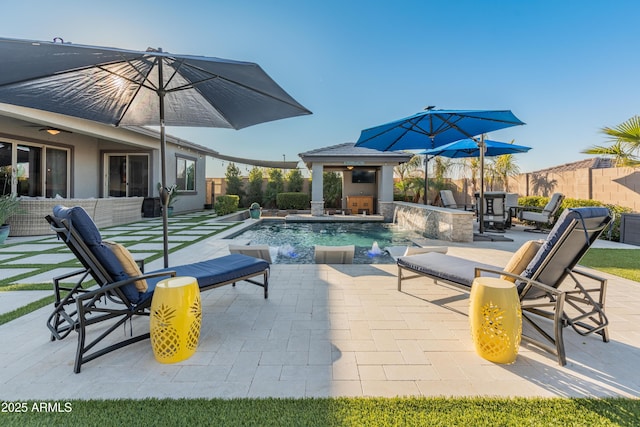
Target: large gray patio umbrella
(123, 87)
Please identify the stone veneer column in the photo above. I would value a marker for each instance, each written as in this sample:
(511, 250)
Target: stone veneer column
(317, 201)
(385, 193)
(386, 209)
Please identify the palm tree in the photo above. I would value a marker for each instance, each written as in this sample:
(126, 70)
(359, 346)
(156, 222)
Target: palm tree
(626, 140)
(628, 133)
(408, 169)
(621, 156)
(406, 172)
(471, 165)
(505, 166)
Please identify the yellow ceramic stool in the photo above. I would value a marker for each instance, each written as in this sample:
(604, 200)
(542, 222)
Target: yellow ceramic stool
(176, 315)
(496, 319)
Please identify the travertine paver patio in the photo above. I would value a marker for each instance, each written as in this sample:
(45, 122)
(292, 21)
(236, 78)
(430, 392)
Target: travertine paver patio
(329, 330)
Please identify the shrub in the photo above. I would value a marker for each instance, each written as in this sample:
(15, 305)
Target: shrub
(226, 204)
(612, 233)
(293, 201)
(295, 181)
(275, 185)
(254, 192)
(234, 181)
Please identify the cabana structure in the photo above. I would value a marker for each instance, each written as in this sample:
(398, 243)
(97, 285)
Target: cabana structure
(367, 177)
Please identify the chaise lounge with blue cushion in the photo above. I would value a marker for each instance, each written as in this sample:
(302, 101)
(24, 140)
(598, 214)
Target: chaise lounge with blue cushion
(539, 269)
(122, 283)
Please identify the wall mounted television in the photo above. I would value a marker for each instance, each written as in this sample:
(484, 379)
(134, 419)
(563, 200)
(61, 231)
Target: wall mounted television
(362, 176)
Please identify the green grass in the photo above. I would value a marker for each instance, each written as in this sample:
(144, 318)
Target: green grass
(334, 412)
(21, 311)
(619, 262)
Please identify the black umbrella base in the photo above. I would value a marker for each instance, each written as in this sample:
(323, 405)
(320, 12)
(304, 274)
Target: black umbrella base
(478, 237)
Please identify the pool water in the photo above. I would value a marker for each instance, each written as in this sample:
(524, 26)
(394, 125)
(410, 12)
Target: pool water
(292, 243)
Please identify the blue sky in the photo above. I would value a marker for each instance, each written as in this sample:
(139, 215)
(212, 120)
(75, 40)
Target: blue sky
(566, 68)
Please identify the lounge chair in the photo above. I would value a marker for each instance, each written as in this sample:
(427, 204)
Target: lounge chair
(546, 216)
(334, 254)
(511, 207)
(448, 201)
(124, 289)
(538, 269)
(495, 214)
(256, 251)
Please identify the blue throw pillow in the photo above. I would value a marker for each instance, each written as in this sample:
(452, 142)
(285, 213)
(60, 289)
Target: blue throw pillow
(79, 220)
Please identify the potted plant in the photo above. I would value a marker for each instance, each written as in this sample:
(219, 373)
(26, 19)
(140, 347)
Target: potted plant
(173, 195)
(9, 205)
(254, 210)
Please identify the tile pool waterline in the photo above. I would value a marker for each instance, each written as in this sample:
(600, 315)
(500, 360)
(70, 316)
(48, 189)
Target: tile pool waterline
(292, 242)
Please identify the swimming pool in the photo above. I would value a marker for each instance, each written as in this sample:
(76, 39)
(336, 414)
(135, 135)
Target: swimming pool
(292, 242)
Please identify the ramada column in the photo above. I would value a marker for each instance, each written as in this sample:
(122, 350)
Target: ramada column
(317, 201)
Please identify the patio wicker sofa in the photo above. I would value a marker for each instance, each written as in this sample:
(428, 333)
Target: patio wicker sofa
(124, 290)
(539, 269)
(105, 212)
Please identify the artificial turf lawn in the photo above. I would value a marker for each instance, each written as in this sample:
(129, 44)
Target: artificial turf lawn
(619, 262)
(333, 412)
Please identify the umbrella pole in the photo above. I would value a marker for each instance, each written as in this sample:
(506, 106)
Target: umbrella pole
(481, 199)
(164, 194)
(426, 179)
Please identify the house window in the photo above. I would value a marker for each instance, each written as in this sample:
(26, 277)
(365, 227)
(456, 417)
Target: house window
(185, 174)
(33, 170)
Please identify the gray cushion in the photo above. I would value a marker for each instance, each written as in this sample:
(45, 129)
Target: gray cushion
(445, 267)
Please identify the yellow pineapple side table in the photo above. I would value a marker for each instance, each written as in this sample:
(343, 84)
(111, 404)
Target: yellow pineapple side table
(496, 319)
(176, 315)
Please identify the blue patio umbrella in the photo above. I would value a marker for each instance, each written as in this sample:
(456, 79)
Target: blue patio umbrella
(471, 148)
(140, 88)
(432, 128)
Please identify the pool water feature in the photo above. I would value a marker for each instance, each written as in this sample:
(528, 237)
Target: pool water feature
(292, 242)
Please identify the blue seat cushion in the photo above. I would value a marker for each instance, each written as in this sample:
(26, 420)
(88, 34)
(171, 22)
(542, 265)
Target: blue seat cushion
(213, 271)
(79, 220)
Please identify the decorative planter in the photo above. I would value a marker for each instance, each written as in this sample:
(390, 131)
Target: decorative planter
(254, 210)
(175, 320)
(4, 232)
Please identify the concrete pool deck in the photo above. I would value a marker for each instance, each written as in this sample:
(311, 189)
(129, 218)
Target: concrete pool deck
(329, 330)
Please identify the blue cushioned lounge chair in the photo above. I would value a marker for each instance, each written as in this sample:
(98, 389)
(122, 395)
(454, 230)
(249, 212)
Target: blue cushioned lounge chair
(579, 303)
(77, 308)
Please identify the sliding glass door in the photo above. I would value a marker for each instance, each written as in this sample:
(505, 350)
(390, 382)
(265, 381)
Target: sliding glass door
(34, 170)
(127, 175)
